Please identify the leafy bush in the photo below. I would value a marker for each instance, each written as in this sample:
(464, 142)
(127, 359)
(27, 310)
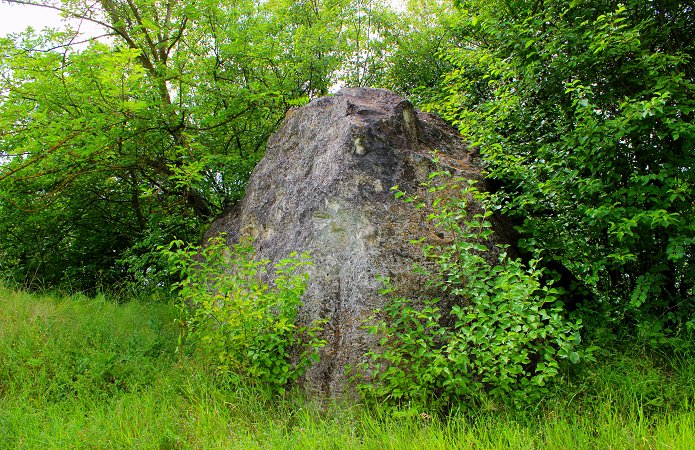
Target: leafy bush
(502, 340)
(584, 112)
(145, 269)
(244, 325)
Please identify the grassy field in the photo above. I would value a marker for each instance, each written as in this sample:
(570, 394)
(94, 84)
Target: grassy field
(92, 373)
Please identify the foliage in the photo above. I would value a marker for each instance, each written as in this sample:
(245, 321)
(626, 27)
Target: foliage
(502, 338)
(412, 66)
(152, 133)
(246, 327)
(584, 112)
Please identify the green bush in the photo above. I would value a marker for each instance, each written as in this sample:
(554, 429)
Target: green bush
(504, 338)
(245, 326)
(584, 112)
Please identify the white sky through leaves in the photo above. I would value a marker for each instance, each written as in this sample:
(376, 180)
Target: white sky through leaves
(16, 18)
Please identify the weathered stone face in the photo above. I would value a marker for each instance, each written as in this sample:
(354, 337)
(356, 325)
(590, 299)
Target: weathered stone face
(323, 186)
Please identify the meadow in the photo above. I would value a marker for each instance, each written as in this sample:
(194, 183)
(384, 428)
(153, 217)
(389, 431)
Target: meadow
(78, 372)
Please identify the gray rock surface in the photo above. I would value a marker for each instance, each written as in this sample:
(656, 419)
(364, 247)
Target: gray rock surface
(323, 186)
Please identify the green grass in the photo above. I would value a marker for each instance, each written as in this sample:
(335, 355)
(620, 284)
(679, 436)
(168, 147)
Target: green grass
(91, 373)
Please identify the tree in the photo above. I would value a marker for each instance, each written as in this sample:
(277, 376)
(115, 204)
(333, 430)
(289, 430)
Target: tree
(585, 114)
(111, 150)
(414, 66)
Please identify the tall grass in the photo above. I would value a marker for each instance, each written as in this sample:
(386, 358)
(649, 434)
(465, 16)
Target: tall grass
(91, 373)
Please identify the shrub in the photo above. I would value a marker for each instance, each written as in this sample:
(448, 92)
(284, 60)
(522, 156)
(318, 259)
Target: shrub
(502, 340)
(244, 325)
(584, 112)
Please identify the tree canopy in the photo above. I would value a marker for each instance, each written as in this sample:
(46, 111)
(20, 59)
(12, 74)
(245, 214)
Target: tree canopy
(112, 149)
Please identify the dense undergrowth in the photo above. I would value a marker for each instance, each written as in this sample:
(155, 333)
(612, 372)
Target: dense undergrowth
(96, 373)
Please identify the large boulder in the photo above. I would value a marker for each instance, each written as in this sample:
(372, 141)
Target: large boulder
(323, 186)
